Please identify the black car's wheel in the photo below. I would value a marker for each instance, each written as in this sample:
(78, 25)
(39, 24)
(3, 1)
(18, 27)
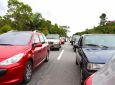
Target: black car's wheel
(76, 61)
(47, 57)
(81, 77)
(74, 49)
(27, 72)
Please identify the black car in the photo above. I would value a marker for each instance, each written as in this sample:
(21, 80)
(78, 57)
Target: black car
(73, 39)
(76, 39)
(93, 50)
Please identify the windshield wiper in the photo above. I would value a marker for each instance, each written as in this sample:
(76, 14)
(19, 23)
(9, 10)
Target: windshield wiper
(101, 46)
(6, 44)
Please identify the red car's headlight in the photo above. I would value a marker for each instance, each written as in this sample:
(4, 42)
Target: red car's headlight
(12, 59)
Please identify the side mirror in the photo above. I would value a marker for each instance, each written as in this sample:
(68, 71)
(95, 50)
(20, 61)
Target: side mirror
(77, 45)
(38, 45)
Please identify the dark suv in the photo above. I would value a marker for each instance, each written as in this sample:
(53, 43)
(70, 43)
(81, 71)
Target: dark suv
(93, 50)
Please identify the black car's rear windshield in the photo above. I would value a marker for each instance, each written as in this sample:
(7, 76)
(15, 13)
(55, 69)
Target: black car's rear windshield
(106, 40)
(15, 38)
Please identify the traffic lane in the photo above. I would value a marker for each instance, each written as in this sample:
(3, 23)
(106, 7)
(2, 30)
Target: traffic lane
(58, 72)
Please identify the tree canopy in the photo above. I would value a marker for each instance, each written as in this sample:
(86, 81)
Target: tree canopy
(20, 17)
(105, 28)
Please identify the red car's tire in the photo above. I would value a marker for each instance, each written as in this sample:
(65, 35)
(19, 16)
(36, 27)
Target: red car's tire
(28, 72)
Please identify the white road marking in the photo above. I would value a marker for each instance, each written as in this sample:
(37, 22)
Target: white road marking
(60, 55)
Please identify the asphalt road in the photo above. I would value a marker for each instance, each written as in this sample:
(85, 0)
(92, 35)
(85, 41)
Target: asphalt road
(60, 70)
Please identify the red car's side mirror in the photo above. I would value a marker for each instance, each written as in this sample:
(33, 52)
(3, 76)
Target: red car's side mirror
(38, 45)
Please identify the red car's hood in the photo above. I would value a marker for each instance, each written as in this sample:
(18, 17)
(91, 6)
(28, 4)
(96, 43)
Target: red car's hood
(9, 51)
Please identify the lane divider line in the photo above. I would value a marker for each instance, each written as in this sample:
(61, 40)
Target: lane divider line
(60, 55)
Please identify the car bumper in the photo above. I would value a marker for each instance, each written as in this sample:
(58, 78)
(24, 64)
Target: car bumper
(11, 75)
(54, 45)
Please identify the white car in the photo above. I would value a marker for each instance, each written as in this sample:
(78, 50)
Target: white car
(54, 41)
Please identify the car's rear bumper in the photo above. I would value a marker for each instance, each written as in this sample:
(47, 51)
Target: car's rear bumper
(54, 45)
(13, 75)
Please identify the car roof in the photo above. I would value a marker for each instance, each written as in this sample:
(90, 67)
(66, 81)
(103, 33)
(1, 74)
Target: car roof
(12, 31)
(95, 34)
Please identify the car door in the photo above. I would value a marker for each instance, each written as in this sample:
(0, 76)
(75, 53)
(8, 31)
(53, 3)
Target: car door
(37, 50)
(44, 46)
(79, 52)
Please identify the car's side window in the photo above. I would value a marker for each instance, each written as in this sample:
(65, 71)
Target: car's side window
(36, 38)
(80, 41)
(41, 39)
(44, 38)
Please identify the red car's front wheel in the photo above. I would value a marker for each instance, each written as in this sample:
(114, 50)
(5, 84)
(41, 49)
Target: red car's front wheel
(28, 72)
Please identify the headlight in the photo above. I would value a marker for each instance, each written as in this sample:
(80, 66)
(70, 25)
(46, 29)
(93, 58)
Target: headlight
(12, 59)
(91, 66)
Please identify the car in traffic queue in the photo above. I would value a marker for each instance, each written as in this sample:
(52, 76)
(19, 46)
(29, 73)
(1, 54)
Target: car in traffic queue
(76, 39)
(73, 39)
(20, 53)
(105, 76)
(54, 41)
(63, 40)
(93, 50)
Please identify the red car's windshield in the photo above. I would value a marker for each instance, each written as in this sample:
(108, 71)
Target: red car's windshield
(15, 38)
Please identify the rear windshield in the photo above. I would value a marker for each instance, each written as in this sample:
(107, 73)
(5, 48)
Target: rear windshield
(15, 38)
(52, 36)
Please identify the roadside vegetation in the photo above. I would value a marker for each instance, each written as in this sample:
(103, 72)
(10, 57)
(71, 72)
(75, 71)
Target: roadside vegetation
(105, 27)
(20, 17)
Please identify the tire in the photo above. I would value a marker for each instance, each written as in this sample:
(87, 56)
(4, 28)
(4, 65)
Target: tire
(74, 49)
(76, 62)
(28, 72)
(47, 58)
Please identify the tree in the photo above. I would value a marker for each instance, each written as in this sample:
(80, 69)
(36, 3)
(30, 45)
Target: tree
(103, 19)
(5, 28)
(20, 14)
(35, 21)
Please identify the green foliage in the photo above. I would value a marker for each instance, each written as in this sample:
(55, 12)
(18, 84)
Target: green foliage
(19, 16)
(103, 19)
(109, 28)
(5, 28)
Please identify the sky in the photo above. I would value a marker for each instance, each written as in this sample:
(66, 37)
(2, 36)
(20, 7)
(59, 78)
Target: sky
(77, 14)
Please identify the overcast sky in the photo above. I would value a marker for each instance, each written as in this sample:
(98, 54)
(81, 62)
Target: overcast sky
(77, 14)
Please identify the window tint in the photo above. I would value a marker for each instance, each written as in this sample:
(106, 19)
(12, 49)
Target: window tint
(52, 36)
(36, 38)
(44, 38)
(41, 38)
(15, 38)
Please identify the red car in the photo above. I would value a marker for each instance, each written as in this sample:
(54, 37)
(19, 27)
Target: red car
(20, 53)
(62, 41)
(105, 76)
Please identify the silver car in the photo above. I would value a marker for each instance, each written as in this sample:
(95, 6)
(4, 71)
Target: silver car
(54, 41)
